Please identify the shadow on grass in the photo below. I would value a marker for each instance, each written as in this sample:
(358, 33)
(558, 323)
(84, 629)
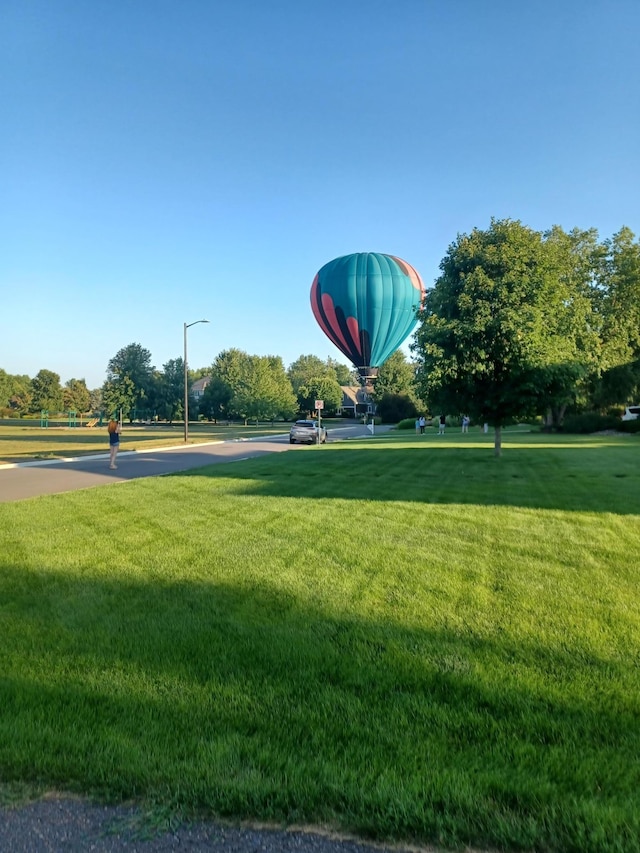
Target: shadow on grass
(588, 477)
(573, 478)
(242, 700)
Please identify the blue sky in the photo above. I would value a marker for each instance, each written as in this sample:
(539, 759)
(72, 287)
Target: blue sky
(162, 162)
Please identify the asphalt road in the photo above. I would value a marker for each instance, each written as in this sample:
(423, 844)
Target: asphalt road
(72, 825)
(46, 477)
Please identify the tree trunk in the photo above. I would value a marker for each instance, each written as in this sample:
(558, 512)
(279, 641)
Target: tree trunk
(558, 415)
(497, 447)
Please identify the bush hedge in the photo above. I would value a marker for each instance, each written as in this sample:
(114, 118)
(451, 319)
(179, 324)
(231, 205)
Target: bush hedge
(630, 426)
(590, 422)
(407, 423)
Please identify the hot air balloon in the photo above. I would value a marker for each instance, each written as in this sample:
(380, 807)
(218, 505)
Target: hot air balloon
(366, 305)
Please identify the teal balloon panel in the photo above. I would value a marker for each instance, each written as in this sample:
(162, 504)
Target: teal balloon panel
(366, 304)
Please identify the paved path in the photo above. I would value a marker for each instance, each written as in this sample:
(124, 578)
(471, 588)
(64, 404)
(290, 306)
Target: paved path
(47, 477)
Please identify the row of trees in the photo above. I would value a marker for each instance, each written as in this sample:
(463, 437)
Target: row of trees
(24, 395)
(522, 323)
(241, 386)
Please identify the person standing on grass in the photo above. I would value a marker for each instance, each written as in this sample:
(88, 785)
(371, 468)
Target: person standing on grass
(114, 441)
(423, 423)
(465, 423)
(443, 423)
(417, 426)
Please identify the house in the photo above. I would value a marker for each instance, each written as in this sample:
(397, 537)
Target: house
(355, 400)
(197, 388)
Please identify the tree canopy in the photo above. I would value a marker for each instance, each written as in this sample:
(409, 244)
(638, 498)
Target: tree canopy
(263, 392)
(46, 392)
(248, 387)
(502, 333)
(313, 379)
(76, 396)
(396, 377)
(132, 363)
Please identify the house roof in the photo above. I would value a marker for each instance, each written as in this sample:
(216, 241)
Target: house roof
(352, 394)
(200, 384)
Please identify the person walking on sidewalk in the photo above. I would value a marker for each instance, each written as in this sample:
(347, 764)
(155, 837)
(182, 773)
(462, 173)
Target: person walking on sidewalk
(114, 441)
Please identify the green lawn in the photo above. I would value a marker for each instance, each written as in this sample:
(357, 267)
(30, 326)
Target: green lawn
(402, 637)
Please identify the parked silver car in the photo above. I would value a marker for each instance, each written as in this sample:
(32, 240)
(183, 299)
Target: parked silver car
(306, 432)
(631, 413)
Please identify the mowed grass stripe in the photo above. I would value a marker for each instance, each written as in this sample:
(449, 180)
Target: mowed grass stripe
(408, 639)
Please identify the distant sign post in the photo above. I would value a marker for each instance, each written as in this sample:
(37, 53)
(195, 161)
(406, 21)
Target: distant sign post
(319, 408)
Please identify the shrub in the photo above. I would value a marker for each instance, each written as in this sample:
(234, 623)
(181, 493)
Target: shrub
(407, 423)
(629, 426)
(396, 407)
(589, 422)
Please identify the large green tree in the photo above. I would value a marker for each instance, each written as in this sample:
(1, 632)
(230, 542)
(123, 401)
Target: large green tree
(313, 379)
(226, 373)
(133, 362)
(571, 342)
(497, 338)
(264, 391)
(395, 376)
(5, 388)
(169, 391)
(95, 400)
(323, 388)
(46, 392)
(345, 375)
(621, 305)
(76, 395)
(617, 305)
(20, 393)
(119, 397)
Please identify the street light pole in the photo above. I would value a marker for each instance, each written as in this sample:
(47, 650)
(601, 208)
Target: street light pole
(186, 379)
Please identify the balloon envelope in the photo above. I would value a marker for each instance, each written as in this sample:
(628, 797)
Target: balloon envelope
(366, 305)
